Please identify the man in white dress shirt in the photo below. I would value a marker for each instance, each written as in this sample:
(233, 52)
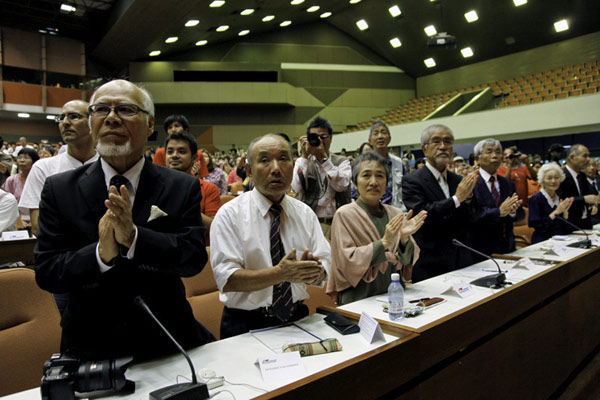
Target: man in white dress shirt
(266, 246)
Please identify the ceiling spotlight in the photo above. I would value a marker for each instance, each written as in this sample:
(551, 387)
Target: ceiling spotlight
(23, 115)
(471, 16)
(313, 9)
(394, 11)
(201, 42)
(244, 32)
(171, 39)
(285, 23)
(222, 28)
(430, 30)
(326, 15)
(466, 52)
(395, 42)
(354, 1)
(51, 117)
(561, 25)
(268, 18)
(296, 2)
(67, 8)
(154, 53)
(429, 63)
(216, 3)
(362, 24)
(247, 11)
(192, 22)
(519, 2)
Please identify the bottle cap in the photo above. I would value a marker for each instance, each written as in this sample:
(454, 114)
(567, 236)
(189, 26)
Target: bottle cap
(396, 276)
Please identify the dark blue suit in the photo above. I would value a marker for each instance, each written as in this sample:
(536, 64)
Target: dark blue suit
(488, 232)
(101, 320)
(568, 188)
(545, 228)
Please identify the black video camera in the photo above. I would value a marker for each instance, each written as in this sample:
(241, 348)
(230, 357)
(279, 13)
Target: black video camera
(65, 375)
(313, 139)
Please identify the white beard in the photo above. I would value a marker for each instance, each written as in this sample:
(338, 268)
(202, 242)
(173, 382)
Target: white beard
(113, 150)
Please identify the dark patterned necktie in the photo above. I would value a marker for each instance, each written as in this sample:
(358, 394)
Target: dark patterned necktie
(282, 292)
(495, 194)
(119, 180)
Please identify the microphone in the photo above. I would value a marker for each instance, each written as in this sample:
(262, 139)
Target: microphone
(582, 244)
(495, 280)
(181, 391)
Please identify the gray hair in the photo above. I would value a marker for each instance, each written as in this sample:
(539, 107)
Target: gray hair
(478, 149)
(377, 123)
(147, 102)
(426, 134)
(575, 149)
(258, 139)
(369, 156)
(552, 166)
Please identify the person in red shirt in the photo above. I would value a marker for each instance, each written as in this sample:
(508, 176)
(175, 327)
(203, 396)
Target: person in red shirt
(179, 123)
(518, 175)
(181, 149)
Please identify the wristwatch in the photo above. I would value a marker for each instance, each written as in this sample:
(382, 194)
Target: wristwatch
(323, 160)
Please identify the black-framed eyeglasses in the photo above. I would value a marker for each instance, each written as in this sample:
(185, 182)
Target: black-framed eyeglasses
(438, 141)
(70, 116)
(123, 110)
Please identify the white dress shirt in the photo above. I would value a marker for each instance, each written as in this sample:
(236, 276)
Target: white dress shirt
(8, 211)
(436, 175)
(240, 239)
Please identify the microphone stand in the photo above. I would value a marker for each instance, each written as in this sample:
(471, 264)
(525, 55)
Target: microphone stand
(489, 281)
(582, 244)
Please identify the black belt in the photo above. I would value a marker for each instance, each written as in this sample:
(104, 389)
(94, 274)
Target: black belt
(326, 221)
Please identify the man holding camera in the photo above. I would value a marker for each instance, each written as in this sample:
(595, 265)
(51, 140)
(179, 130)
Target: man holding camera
(321, 180)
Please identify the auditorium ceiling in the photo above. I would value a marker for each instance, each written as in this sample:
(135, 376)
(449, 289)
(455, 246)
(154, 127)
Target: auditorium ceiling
(119, 31)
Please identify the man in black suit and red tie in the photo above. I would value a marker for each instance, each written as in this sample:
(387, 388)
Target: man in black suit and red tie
(576, 185)
(443, 195)
(495, 204)
(117, 229)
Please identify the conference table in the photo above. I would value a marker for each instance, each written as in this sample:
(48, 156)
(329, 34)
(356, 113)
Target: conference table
(520, 341)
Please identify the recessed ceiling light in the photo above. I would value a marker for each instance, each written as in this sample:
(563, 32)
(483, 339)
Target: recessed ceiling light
(326, 14)
(216, 3)
(154, 53)
(313, 9)
(519, 2)
(354, 1)
(467, 52)
(430, 62)
(222, 28)
(394, 11)
(296, 2)
(192, 22)
(561, 25)
(430, 30)
(201, 42)
(247, 11)
(42, 31)
(471, 16)
(171, 39)
(51, 117)
(395, 42)
(268, 18)
(244, 32)
(67, 8)
(23, 115)
(285, 23)
(362, 24)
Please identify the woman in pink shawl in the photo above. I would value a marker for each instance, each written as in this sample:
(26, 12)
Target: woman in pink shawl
(370, 240)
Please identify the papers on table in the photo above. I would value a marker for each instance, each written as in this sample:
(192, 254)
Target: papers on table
(277, 337)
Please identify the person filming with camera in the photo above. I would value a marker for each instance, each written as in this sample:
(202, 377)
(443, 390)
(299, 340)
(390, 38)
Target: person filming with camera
(321, 180)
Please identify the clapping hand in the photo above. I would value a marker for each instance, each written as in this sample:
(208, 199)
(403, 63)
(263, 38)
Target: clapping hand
(411, 224)
(510, 205)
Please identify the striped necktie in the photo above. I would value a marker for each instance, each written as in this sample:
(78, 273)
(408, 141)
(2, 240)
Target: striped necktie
(495, 194)
(282, 292)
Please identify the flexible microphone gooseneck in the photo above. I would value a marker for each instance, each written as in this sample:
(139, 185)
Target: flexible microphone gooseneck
(486, 281)
(193, 390)
(582, 244)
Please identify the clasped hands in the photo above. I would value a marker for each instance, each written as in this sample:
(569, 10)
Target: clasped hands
(405, 225)
(116, 226)
(308, 269)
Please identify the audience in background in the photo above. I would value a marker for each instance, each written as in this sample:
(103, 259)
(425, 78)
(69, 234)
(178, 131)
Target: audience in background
(216, 176)
(6, 162)
(8, 211)
(516, 173)
(364, 148)
(15, 183)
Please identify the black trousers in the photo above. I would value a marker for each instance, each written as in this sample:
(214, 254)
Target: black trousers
(235, 321)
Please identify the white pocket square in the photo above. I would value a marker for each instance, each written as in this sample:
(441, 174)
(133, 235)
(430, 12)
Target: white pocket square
(155, 213)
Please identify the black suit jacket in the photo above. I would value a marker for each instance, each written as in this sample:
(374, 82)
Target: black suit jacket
(101, 319)
(568, 188)
(421, 191)
(488, 232)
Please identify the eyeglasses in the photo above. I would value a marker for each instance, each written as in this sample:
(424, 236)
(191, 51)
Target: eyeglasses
(438, 141)
(324, 136)
(73, 117)
(123, 110)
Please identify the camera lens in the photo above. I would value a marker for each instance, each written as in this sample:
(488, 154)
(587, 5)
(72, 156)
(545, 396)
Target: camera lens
(313, 139)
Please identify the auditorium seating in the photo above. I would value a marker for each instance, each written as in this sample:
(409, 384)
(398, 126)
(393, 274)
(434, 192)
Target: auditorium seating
(29, 330)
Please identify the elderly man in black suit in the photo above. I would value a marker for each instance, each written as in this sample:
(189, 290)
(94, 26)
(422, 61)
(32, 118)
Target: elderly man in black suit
(576, 185)
(495, 204)
(443, 195)
(117, 229)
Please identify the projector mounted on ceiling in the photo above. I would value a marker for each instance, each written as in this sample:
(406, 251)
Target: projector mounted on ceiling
(442, 41)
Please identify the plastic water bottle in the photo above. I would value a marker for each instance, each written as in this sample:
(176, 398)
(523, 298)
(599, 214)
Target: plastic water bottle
(396, 299)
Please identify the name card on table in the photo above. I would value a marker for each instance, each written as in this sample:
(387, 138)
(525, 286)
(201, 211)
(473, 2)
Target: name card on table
(15, 235)
(462, 290)
(282, 366)
(524, 263)
(369, 328)
(557, 251)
